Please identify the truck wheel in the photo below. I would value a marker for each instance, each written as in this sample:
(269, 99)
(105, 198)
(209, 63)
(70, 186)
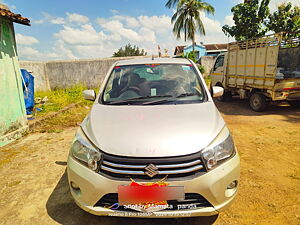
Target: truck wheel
(258, 102)
(294, 103)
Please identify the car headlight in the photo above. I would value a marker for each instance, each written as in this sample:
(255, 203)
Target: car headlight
(221, 149)
(84, 151)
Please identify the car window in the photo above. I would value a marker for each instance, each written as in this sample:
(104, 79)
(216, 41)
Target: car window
(219, 62)
(147, 82)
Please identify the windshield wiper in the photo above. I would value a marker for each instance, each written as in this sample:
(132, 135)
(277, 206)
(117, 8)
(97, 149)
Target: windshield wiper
(186, 95)
(137, 98)
(173, 99)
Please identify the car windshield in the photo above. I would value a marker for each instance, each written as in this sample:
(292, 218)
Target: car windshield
(153, 84)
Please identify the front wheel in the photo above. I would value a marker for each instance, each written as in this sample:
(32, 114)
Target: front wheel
(258, 102)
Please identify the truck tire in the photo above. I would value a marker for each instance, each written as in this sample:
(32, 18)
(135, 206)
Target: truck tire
(258, 102)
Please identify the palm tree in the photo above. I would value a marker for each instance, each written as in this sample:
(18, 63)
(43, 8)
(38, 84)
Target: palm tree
(187, 19)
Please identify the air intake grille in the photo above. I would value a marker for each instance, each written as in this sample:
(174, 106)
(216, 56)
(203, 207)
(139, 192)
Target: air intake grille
(123, 168)
(192, 200)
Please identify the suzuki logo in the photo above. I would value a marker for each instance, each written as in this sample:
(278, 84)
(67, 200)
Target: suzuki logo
(151, 170)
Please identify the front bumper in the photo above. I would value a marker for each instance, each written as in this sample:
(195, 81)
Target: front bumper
(212, 186)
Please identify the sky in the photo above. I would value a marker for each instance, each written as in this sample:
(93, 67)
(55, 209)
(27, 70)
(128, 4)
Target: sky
(76, 29)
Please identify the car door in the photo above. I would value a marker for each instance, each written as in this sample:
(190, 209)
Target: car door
(218, 70)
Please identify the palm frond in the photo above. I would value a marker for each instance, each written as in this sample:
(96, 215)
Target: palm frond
(187, 18)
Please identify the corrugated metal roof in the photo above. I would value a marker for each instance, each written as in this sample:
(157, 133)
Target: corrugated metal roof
(17, 18)
(209, 48)
(179, 50)
(215, 47)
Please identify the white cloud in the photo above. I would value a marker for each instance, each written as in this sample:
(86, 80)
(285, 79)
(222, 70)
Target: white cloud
(77, 18)
(116, 27)
(114, 11)
(29, 53)
(84, 35)
(71, 18)
(159, 24)
(132, 22)
(26, 40)
(229, 20)
(57, 20)
(41, 21)
(80, 38)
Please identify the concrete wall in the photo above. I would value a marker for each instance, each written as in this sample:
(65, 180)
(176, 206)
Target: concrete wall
(208, 63)
(66, 73)
(38, 70)
(12, 107)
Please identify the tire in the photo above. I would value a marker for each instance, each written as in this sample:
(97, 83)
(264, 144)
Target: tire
(258, 102)
(294, 103)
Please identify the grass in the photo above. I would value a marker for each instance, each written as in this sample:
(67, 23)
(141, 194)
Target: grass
(57, 100)
(60, 98)
(70, 118)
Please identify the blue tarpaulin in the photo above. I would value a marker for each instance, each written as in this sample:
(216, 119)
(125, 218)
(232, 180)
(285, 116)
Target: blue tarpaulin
(28, 88)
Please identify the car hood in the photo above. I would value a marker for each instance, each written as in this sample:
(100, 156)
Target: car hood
(153, 130)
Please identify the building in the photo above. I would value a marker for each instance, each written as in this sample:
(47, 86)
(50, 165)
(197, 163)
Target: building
(201, 50)
(215, 49)
(13, 121)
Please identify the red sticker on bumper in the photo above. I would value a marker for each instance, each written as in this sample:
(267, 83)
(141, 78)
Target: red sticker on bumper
(136, 194)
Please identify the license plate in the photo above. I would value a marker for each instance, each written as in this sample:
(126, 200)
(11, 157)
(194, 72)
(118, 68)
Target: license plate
(141, 194)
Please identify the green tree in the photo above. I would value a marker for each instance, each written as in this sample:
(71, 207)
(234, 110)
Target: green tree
(285, 19)
(129, 50)
(172, 3)
(187, 19)
(249, 18)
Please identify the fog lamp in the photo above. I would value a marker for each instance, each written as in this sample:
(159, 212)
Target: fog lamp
(74, 186)
(232, 185)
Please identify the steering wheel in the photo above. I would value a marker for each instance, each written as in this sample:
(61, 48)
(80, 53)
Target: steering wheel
(135, 89)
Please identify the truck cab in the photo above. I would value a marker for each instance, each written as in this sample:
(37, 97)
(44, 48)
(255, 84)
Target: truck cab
(218, 75)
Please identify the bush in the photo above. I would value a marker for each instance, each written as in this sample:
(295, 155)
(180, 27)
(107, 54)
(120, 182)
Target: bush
(191, 56)
(201, 68)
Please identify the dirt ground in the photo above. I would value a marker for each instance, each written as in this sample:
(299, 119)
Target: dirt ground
(34, 189)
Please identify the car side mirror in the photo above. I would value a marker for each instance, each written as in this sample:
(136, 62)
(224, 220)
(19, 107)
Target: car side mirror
(217, 91)
(89, 95)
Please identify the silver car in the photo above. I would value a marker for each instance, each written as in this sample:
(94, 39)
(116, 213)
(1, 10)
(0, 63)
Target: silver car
(153, 144)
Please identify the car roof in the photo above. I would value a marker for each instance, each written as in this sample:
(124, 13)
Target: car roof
(153, 61)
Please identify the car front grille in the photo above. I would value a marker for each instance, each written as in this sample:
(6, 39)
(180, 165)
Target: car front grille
(191, 201)
(174, 168)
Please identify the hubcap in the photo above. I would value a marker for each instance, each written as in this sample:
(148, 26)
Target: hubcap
(256, 102)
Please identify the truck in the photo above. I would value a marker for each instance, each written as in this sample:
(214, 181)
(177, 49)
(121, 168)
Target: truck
(262, 70)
